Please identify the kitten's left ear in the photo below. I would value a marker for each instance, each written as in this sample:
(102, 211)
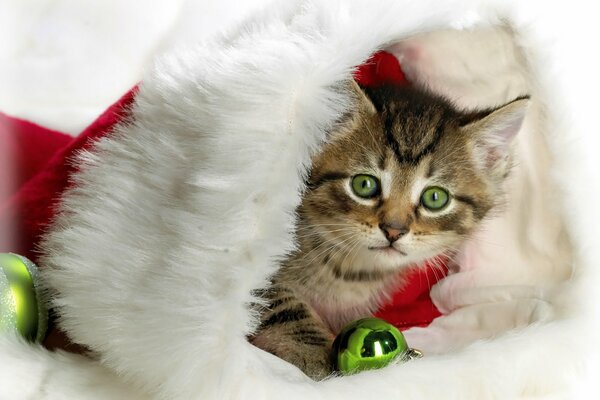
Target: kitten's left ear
(493, 131)
(363, 101)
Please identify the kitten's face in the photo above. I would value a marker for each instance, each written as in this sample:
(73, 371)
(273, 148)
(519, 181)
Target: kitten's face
(404, 178)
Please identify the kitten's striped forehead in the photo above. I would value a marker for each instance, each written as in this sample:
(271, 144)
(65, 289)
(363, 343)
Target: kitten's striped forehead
(414, 131)
(405, 180)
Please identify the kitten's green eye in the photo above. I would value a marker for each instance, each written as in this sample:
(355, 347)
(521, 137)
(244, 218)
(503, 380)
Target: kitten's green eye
(365, 186)
(435, 198)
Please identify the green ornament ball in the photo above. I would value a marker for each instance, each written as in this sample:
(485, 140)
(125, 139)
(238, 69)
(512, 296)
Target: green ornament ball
(369, 343)
(22, 309)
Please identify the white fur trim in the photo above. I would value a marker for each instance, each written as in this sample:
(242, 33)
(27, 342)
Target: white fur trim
(31, 372)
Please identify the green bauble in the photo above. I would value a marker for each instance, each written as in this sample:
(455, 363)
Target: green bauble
(21, 307)
(368, 343)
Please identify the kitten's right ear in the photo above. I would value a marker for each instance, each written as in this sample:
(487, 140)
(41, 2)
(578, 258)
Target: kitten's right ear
(494, 130)
(363, 101)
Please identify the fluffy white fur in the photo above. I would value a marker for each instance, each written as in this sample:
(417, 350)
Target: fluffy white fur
(31, 372)
(188, 206)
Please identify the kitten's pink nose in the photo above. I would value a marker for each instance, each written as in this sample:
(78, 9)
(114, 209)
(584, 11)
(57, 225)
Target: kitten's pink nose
(393, 232)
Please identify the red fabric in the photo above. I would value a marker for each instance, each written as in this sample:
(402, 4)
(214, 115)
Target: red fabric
(381, 68)
(41, 158)
(33, 203)
(30, 145)
(411, 305)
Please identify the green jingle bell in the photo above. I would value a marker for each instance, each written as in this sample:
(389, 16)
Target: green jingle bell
(369, 343)
(21, 306)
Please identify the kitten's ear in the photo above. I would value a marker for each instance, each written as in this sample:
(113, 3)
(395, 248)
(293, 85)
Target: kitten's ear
(362, 100)
(493, 131)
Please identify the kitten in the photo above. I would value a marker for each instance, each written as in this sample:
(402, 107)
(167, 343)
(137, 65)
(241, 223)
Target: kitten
(405, 177)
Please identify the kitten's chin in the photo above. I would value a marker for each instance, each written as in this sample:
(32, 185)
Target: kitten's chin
(388, 250)
(389, 258)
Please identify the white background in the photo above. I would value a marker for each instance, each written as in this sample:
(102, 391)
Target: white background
(62, 62)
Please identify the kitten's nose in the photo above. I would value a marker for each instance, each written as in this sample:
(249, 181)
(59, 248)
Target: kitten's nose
(393, 232)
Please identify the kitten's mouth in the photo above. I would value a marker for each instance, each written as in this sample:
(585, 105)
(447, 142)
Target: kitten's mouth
(388, 250)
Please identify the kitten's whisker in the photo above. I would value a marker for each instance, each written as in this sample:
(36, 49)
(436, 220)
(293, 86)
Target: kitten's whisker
(355, 245)
(349, 246)
(355, 254)
(331, 239)
(329, 248)
(312, 226)
(337, 223)
(370, 132)
(428, 282)
(336, 253)
(433, 263)
(443, 271)
(321, 233)
(443, 157)
(341, 249)
(438, 266)
(363, 147)
(344, 245)
(420, 280)
(321, 229)
(326, 242)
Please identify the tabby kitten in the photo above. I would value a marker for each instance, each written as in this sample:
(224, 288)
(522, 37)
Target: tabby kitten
(405, 177)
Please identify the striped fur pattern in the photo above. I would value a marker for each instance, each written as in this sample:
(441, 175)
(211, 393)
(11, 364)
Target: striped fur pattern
(347, 262)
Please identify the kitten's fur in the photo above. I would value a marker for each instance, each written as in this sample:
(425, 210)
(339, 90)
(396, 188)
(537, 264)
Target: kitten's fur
(345, 266)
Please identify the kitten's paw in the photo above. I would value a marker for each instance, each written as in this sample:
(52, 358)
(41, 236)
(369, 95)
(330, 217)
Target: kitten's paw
(316, 363)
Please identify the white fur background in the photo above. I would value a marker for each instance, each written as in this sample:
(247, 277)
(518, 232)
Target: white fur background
(539, 362)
